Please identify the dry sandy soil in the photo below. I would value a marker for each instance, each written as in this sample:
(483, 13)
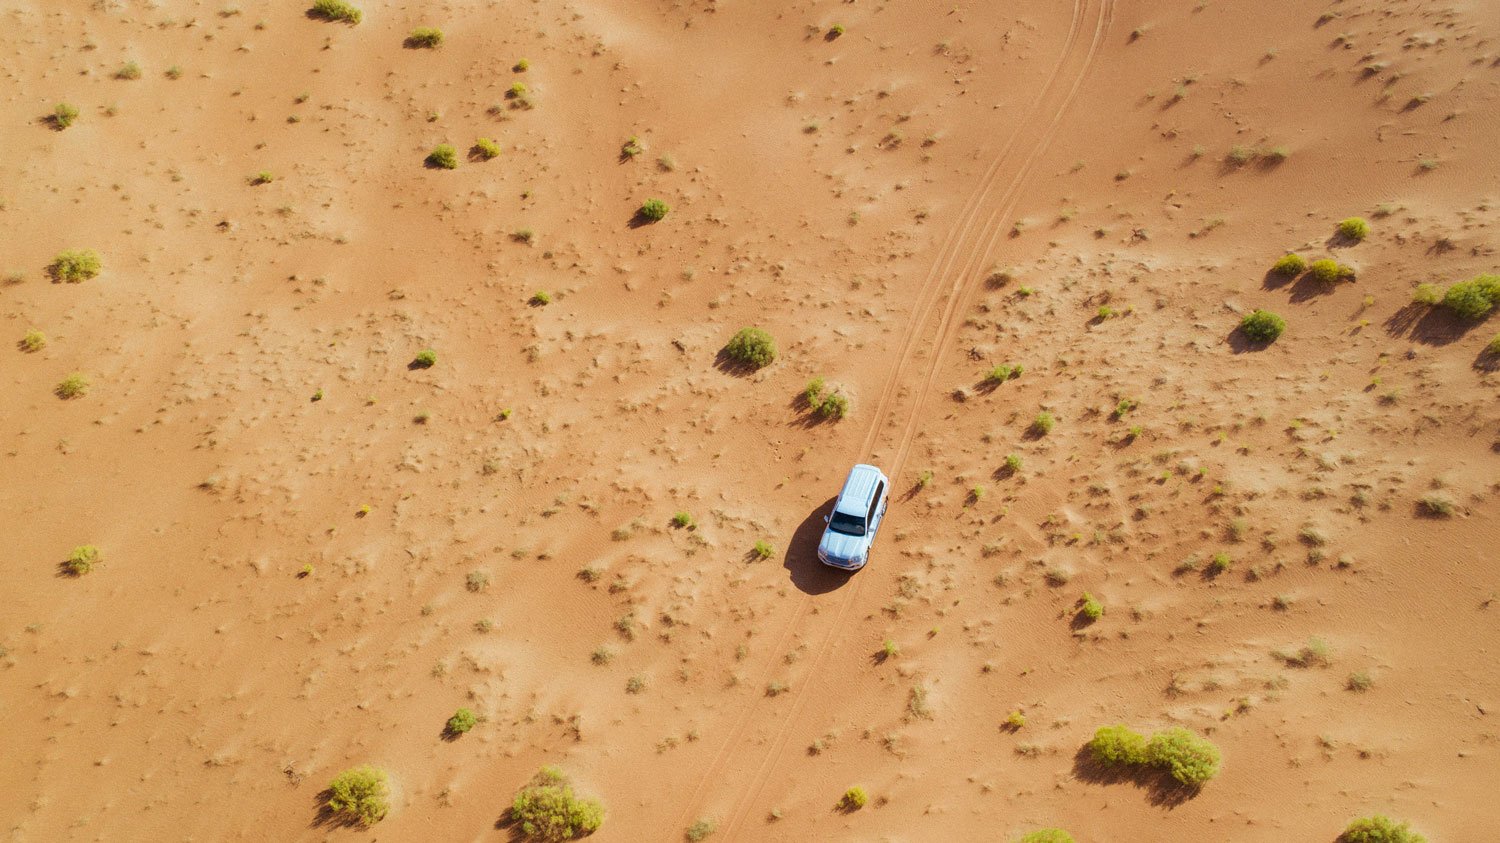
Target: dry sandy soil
(285, 586)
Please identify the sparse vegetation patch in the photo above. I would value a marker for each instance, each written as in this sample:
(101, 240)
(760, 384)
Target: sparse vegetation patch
(336, 10)
(360, 795)
(424, 37)
(75, 265)
(548, 810)
(751, 347)
(1379, 829)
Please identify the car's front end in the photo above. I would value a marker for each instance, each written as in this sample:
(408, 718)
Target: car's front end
(845, 552)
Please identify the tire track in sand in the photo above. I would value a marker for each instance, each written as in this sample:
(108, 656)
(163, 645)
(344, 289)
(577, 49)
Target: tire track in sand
(1048, 110)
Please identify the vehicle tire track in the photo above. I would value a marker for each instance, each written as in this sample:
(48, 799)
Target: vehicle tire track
(950, 253)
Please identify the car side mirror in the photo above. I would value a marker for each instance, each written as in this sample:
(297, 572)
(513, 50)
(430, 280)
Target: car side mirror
(827, 518)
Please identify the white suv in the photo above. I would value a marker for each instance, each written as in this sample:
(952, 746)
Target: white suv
(855, 518)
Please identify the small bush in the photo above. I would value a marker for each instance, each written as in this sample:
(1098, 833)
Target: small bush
(654, 210)
(1354, 228)
(443, 156)
(1379, 829)
(462, 721)
(1473, 299)
(1426, 294)
(72, 386)
(34, 341)
(1043, 423)
(336, 10)
(75, 265)
(128, 70)
(684, 521)
(82, 560)
(1328, 270)
(1001, 374)
(763, 550)
(854, 799)
(835, 31)
(752, 347)
(1219, 564)
(833, 406)
(360, 795)
(477, 581)
(700, 830)
(1359, 682)
(1492, 348)
(1046, 835)
(1090, 608)
(1191, 760)
(1437, 506)
(631, 147)
(486, 149)
(1290, 265)
(262, 177)
(64, 115)
(813, 392)
(1262, 326)
(521, 66)
(547, 809)
(424, 37)
(425, 359)
(541, 298)
(1118, 745)
(1014, 721)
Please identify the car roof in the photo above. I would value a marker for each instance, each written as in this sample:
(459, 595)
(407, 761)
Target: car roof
(858, 488)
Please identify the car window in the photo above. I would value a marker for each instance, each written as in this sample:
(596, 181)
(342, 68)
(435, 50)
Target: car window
(849, 525)
(875, 502)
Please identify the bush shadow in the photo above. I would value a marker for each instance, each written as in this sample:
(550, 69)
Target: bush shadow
(807, 572)
(640, 220)
(1428, 324)
(325, 817)
(727, 364)
(1487, 360)
(1161, 789)
(1241, 343)
(1274, 280)
(1307, 287)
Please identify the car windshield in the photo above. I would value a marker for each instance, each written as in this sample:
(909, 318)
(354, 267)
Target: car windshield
(849, 525)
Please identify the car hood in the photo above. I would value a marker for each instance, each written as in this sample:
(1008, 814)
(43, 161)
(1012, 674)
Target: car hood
(836, 545)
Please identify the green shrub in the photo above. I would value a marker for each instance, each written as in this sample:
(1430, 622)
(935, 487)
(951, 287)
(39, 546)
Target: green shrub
(1043, 423)
(1437, 506)
(1191, 760)
(752, 347)
(1001, 374)
(763, 550)
(1290, 265)
(64, 115)
(1046, 835)
(1473, 299)
(631, 147)
(1427, 294)
(425, 359)
(702, 829)
(443, 156)
(263, 177)
(813, 392)
(1219, 564)
(684, 520)
(1380, 829)
(71, 386)
(547, 809)
(82, 560)
(541, 298)
(360, 795)
(1090, 607)
(75, 265)
(462, 721)
(1354, 228)
(1118, 745)
(1012, 463)
(521, 66)
(835, 31)
(1262, 326)
(833, 406)
(854, 799)
(654, 209)
(424, 37)
(128, 70)
(486, 149)
(33, 341)
(1328, 270)
(336, 10)
(1493, 347)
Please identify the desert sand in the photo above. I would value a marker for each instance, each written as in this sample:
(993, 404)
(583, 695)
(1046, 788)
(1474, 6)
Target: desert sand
(312, 551)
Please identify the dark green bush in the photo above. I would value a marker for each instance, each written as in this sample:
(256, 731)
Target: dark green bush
(64, 115)
(443, 156)
(1379, 829)
(752, 347)
(425, 359)
(1354, 228)
(1046, 835)
(546, 809)
(336, 10)
(1290, 265)
(462, 721)
(1118, 745)
(360, 795)
(1190, 759)
(75, 265)
(1090, 607)
(654, 209)
(1262, 326)
(1328, 270)
(1043, 423)
(424, 37)
(1473, 299)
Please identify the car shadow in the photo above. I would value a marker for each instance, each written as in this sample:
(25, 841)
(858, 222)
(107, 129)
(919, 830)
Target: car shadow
(809, 575)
